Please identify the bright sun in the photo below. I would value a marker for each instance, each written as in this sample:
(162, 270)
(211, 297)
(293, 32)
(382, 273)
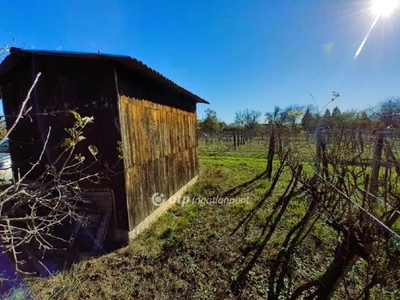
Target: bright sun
(384, 7)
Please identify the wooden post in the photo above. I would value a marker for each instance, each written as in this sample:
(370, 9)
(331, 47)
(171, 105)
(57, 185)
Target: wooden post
(361, 140)
(376, 161)
(271, 151)
(318, 149)
(324, 160)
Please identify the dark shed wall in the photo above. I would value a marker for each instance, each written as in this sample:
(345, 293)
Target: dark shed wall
(160, 146)
(68, 83)
(15, 88)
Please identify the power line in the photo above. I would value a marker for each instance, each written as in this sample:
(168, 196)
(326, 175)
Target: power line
(361, 208)
(369, 193)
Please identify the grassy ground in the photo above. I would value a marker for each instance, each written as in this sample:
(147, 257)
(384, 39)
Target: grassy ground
(201, 251)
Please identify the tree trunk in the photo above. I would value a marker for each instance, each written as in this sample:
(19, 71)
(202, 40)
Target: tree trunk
(344, 259)
(346, 255)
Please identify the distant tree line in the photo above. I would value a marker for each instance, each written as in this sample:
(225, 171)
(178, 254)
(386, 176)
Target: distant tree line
(385, 114)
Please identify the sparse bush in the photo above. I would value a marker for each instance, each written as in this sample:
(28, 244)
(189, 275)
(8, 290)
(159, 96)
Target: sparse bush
(37, 216)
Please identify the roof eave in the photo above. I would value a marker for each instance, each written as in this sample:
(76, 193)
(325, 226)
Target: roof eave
(127, 61)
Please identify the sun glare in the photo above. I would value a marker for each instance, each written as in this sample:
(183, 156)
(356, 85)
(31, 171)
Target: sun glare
(380, 8)
(384, 7)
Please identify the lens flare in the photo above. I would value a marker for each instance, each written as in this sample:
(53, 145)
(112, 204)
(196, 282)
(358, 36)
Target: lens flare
(380, 8)
(366, 36)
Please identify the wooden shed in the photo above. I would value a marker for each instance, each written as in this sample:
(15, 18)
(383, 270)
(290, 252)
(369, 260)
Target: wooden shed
(153, 118)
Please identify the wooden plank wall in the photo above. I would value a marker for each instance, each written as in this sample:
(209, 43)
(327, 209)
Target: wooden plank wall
(160, 153)
(67, 83)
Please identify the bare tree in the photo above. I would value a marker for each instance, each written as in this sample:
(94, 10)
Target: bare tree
(247, 118)
(389, 111)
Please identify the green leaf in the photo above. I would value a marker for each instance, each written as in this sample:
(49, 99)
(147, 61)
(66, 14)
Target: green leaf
(79, 138)
(66, 143)
(77, 116)
(79, 157)
(93, 150)
(71, 131)
(120, 148)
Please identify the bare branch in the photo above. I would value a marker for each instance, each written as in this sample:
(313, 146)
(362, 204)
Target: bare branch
(22, 111)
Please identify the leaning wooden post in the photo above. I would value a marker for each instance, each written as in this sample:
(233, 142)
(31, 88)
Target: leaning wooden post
(318, 136)
(376, 161)
(324, 159)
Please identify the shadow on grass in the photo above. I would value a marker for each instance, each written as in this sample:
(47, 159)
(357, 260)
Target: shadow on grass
(272, 222)
(261, 202)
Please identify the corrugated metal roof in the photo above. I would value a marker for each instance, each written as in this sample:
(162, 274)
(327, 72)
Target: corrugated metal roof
(132, 63)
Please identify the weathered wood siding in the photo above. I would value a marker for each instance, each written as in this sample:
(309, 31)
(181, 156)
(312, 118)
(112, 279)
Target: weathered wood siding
(67, 83)
(155, 121)
(160, 152)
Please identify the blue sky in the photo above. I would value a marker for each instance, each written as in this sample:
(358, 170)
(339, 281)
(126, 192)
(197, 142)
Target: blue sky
(236, 54)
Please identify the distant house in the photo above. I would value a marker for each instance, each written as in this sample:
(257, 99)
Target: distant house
(154, 118)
